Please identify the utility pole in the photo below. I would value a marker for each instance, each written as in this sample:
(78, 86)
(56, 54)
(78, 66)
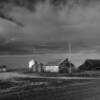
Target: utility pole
(69, 48)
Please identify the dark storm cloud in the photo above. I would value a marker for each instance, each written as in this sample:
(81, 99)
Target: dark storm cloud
(49, 25)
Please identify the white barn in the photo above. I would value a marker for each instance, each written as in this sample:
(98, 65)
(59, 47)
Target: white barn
(52, 66)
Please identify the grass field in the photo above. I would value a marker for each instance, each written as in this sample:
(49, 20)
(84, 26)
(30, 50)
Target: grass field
(17, 87)
(29, 86)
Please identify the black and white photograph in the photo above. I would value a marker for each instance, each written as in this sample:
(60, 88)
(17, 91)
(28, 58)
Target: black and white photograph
(49, 49)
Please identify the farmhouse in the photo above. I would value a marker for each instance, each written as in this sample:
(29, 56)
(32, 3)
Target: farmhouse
(3, 68)
(66, 66)
(58, 65)
(90, 64)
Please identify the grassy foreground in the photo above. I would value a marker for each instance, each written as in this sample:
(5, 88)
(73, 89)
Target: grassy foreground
(28, 88)
(34, 88)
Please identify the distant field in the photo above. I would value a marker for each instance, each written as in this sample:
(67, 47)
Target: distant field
(76, 74)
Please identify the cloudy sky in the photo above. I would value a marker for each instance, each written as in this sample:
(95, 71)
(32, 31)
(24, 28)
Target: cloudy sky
(46, 26)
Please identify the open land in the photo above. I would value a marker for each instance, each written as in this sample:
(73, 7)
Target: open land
(33, 86)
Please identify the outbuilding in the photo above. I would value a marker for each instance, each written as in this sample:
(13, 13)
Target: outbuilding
(59, 65)
(3, 68)
(35, 66)
(90, 64)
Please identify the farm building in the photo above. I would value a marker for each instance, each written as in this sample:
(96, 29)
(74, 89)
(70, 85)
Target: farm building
(52, 66)
(59, 65)
(34, 66)
(90, 64)
(66, 66)
(3, 68)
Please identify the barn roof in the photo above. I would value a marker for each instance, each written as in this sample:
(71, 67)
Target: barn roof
(55, 62)
(94, 61)
(90, 64)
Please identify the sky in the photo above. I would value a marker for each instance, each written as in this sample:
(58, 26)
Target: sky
(46, 27)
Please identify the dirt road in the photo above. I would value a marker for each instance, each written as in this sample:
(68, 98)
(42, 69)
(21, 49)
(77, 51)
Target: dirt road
(10, 75)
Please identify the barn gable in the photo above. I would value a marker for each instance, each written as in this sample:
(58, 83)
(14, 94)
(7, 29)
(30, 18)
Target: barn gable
(65, 66)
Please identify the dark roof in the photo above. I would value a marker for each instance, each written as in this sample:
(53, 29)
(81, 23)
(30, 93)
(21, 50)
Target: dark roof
(90, 64)
(93, 60)
(67, 63)
(55, 62)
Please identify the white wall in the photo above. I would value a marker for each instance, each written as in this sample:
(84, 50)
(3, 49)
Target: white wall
(51, 68)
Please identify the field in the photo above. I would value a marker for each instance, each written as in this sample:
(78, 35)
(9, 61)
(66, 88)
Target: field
(18, 86)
